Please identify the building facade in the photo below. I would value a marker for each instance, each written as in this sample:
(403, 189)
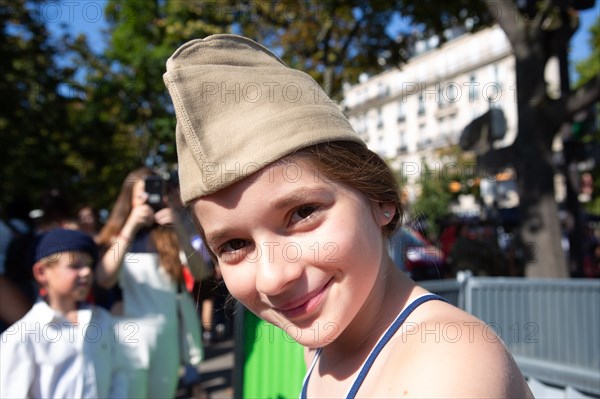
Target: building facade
(409, 113)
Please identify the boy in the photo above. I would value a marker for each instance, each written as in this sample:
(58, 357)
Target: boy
(63, 347)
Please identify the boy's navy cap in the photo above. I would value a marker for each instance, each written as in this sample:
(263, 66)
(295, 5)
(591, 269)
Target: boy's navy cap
(64, 240)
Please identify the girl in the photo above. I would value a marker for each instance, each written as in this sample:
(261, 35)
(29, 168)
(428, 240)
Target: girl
(297, 213)
(142, 255)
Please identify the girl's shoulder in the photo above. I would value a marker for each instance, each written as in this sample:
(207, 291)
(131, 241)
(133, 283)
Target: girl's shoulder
(442, 351)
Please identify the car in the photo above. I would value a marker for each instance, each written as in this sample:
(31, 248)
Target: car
(416, 256)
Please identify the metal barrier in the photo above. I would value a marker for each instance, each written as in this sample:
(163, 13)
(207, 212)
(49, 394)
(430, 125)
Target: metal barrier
(551, 327)
(452, 290)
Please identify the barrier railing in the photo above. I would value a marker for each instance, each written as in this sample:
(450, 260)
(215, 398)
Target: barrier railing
(551, 326)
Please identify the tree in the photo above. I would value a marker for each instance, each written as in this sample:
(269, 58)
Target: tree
(442, 186)
(433, 202)
(589, 68)
(587, 132)
(538, 32)
(334, 41)
(122, 98)
(142, 37)
(38, 148)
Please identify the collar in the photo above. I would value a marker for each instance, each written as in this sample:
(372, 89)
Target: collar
(43, 313)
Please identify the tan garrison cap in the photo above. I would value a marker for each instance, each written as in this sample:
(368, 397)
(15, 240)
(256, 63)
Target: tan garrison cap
(239, 108)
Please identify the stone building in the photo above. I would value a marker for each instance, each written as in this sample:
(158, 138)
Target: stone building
(408, 114)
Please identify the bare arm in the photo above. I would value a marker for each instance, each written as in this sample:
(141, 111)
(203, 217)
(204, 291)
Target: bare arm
(107, 272)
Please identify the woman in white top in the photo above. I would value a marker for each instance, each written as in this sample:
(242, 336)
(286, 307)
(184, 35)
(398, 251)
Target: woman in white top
(142, 255)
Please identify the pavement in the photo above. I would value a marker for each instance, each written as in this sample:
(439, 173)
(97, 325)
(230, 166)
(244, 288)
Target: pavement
(217, 370)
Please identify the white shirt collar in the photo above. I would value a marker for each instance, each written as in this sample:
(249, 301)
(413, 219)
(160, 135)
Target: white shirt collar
(45, 314)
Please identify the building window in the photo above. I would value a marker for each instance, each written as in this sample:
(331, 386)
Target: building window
(401, 114)
(452, 92)
(421, 104)
(442, 126)
(402, 148)
(383, 90)
(452, 130)
(379, 119)
(472, 89)
(423, 139)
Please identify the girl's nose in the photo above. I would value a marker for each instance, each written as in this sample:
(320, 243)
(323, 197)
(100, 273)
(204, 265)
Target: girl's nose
(277, 266)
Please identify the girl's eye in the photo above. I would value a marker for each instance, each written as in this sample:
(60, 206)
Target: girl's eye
(233, 251)
(234, 245)
(303, 212)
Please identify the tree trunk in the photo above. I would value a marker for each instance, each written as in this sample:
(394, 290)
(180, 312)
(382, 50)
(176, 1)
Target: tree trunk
(540, 230)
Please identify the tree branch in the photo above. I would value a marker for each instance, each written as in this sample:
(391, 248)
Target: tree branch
(508, 17)
(584, 96)
(349, 39)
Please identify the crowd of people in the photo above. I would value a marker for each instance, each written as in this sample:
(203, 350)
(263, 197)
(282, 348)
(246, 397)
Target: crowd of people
(67, 269)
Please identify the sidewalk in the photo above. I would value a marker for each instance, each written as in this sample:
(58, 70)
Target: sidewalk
(217, 370)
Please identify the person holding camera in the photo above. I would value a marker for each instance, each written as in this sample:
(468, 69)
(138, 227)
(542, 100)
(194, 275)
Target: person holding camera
(141, 254)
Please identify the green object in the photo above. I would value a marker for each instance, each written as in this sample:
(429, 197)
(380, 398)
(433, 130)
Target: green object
(273, 362)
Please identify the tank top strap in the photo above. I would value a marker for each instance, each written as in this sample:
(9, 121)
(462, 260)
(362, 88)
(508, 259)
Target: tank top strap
(309, 372)
(385, 338)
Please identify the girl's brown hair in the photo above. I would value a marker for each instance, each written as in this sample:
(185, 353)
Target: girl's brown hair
(164, 238)
(355, 166)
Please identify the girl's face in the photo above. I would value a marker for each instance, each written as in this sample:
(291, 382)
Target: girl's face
(298, 250)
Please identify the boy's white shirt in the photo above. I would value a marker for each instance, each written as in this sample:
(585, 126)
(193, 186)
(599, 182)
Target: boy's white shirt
(43, 355)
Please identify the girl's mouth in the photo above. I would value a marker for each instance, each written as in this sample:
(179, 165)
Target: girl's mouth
(305, 304)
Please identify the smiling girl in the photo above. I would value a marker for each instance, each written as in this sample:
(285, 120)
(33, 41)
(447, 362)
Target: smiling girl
(297, 213)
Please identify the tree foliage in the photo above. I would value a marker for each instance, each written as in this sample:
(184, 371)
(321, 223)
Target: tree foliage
(39, 148)
(587, 69)
(84, 126)
(334, 41)
(441, 187)
(125, 96)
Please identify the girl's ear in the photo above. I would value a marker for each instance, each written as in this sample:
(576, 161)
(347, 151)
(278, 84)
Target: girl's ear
(385, 212)
(39, 272)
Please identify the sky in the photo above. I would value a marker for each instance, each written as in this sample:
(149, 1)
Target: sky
(87, 16)
(580, 41)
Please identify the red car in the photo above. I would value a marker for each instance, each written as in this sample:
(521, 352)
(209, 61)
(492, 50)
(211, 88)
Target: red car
(415, 255)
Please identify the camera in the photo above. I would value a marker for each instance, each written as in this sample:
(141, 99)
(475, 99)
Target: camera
(154, 186)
